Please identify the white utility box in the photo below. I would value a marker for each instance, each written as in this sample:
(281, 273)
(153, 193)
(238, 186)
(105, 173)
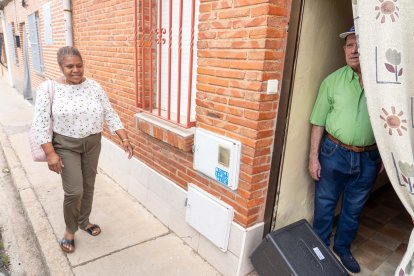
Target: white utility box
(209, 216)
(217, 157)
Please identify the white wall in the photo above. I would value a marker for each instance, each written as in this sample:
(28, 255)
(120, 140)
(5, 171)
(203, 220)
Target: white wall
(166, 201)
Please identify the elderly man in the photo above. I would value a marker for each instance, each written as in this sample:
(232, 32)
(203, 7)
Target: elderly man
(343, 158)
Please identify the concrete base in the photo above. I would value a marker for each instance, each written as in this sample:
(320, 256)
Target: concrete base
(166, 201)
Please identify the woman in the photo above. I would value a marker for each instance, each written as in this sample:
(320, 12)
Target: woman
(79, 108)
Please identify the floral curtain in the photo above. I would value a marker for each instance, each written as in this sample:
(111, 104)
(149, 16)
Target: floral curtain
(386, 39)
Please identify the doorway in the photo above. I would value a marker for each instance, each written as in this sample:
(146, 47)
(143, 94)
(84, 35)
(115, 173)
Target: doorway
(319, 53)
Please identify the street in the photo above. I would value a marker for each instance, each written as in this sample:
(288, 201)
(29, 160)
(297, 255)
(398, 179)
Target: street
(19, 242)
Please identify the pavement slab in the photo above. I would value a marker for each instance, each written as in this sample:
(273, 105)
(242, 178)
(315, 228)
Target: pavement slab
(164, 256)
(113, 209)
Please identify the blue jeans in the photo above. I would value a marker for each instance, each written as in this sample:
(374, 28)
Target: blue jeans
(348, 173)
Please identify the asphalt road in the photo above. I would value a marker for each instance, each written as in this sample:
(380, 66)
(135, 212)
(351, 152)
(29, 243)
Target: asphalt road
(18, 239)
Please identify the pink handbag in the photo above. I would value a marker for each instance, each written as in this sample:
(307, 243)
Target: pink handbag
(38, 153)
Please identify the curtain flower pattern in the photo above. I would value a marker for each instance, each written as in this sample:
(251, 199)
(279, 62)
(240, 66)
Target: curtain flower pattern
(394, 59)
(386, 43)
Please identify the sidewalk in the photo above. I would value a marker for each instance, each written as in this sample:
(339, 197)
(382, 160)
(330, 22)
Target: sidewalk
(133, 241)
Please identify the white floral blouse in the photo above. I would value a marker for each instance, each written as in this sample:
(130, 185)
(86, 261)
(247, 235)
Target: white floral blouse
(78, 111)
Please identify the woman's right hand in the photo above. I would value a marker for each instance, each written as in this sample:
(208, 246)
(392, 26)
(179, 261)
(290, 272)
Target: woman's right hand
(53, 159)
(54, 162)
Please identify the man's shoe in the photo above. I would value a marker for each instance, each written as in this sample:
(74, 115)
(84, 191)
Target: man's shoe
(349, 261)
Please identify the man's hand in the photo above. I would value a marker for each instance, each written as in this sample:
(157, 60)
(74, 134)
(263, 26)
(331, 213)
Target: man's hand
(314, 168)
(314, 165)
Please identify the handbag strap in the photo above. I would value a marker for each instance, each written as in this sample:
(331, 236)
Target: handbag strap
(51, 90)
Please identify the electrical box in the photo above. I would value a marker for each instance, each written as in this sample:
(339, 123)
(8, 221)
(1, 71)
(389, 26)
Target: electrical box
(209, 216)
(217, 157)
(272, 86)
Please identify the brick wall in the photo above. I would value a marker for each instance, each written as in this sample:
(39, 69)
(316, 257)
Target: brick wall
(104, 33)
(106, 41)
(240, 46)
(17, 14)
(11, 17)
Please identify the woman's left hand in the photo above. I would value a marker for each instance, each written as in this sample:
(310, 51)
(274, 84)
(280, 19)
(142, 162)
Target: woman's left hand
(128, 148)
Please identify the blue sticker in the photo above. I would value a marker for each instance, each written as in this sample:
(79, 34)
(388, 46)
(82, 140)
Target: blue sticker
(222, 176)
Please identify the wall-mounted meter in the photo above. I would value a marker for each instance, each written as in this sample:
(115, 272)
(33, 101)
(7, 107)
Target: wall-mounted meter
(217, 157)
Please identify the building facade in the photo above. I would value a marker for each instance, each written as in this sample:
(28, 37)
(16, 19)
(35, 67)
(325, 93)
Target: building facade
(173, 69)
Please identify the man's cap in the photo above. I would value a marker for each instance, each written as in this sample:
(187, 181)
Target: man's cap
(349, 32)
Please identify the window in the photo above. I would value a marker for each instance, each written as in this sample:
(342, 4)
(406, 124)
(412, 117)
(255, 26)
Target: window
(11, 38)
(47, 18)
(37, 62)
(167, 59)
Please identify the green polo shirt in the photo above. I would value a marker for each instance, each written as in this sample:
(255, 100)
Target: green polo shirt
(341, 107)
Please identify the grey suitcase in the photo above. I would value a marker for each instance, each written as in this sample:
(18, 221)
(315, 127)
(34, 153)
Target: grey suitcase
(295, 250)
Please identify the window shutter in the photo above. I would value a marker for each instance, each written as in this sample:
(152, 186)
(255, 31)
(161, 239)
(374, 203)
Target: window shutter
(47, 18)
(34, 43)
(11, 42)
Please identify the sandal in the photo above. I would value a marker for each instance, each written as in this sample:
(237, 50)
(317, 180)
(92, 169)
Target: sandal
(93, 230)
(66, 245)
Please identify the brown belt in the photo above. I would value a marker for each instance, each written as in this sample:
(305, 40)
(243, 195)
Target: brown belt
(352, 148)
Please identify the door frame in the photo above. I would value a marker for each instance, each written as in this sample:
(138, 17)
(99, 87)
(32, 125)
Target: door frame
(279, 141)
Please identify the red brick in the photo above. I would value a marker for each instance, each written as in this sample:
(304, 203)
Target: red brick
(221, 24)
(206, 35)
(205, 7)
(207, 16)
(251, 22)
(222, 4)
(247, 65)
(212, 128)
(238, 3)
(268, 10)
(265, 54)
(233, 34)
(234, 13)
(222, 54)
(234, 74)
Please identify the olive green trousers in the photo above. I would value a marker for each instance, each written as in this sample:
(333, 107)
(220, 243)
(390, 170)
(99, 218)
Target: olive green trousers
(80, 159)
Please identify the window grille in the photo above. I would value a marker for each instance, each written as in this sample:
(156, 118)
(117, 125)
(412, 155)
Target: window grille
(37, 62)
(167, 58)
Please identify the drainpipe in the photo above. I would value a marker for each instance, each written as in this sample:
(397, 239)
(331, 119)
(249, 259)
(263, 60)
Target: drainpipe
(67, 13)
(6, 45)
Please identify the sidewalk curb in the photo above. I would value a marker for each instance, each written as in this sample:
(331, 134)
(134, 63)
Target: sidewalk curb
(54, 259)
